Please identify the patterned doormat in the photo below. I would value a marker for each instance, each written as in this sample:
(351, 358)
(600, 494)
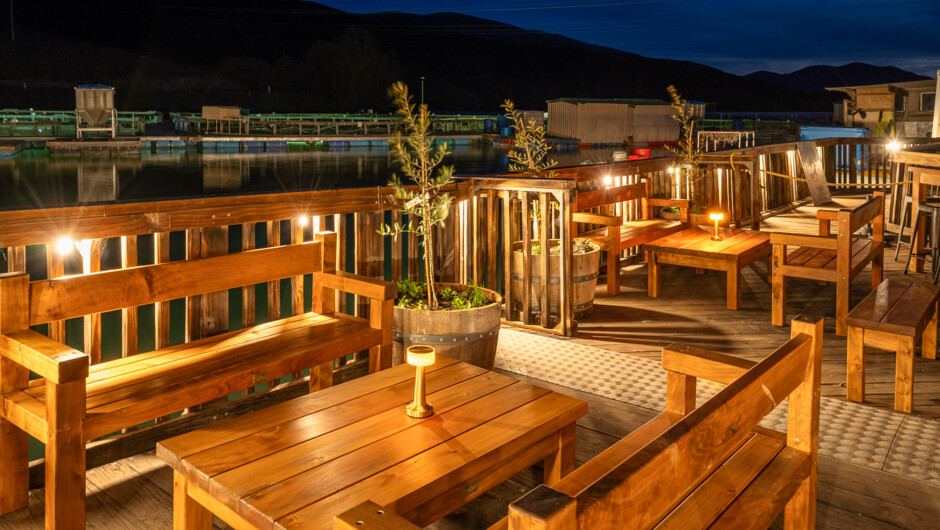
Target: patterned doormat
(888, 441)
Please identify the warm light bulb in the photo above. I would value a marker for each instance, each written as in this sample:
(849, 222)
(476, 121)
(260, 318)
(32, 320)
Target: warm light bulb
(894, 146)
(420, 355)
(608, 181)
(64, 245)
(303, 221)
(716, 216)
(671, 169)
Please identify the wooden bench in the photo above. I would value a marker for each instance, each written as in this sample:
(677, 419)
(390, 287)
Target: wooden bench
(73, 403)
(892, 317)
(616, 234)
(828, 258)
(689, 467)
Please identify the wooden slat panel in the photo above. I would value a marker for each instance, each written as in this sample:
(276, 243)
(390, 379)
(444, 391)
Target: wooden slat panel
(274, 287)
(128, 314)
(248, 291)
(106, 291)
(161, 310)
(92, 322)
(55, 268)
(592, 199)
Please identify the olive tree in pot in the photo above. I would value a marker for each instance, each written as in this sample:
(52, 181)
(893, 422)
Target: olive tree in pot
(528, 156)
(460, 321)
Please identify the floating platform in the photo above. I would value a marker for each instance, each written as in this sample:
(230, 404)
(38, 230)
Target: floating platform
(97, 145)
(9, 148)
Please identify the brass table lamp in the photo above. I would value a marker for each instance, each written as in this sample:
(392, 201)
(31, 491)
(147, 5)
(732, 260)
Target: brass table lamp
(717, 217)
(420, 357)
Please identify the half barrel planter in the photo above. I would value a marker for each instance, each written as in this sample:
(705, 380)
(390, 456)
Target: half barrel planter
(583, 282)
(468, 335)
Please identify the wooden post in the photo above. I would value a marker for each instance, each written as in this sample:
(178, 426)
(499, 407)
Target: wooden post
(65, 455)
(323, 302)
(55, 267)
(161, 310)
(188, 514)
(248, 291)
(803, 425)
(274, 286)
(843, 266)
(128, 314)
(680, 393)
(396, 249)
(14, 443)
(544, 267)
(525, 224)
(566, 203)
(492, 221)
(778, 286)
(561, 462)
(507, 254)
(296, 282)
(92, 323)
(543, 509)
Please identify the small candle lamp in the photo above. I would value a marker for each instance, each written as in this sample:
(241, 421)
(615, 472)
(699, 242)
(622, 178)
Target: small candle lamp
(717, 217)
(420, 357)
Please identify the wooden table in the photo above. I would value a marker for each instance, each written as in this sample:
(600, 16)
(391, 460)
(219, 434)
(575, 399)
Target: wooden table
(695, 248)
(892, 317)
(299, 463)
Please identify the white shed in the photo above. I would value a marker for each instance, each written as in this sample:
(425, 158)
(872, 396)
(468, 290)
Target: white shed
(612, 121)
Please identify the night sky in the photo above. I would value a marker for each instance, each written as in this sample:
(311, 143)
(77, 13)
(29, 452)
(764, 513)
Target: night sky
(737, 36)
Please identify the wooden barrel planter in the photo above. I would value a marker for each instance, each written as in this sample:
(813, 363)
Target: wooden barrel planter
(469, 335)
(583, 284)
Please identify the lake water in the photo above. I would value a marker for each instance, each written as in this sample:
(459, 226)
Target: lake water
(37, 179)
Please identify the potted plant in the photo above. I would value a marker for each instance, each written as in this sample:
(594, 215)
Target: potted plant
(688, 166)
(528, 156)
(460, 321)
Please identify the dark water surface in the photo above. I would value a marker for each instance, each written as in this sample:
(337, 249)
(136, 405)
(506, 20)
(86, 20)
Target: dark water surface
(38, 179)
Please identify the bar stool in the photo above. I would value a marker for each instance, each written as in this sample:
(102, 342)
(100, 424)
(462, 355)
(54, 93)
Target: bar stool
(923, 212)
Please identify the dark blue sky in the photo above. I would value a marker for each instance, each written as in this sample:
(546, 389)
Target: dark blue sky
(737, 36)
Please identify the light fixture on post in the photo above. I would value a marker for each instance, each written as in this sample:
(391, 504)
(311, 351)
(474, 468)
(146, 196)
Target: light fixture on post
(420, 357)
(717, 217)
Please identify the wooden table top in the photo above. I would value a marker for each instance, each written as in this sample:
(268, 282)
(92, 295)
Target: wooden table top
(896, 306)
(696, 241)
(299, 463)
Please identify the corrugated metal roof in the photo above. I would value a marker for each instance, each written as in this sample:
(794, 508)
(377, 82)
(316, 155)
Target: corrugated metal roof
(620, 101)
(94, 86)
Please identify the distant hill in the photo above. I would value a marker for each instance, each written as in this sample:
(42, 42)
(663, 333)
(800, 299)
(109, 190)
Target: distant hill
(292, 56)
(816, 78)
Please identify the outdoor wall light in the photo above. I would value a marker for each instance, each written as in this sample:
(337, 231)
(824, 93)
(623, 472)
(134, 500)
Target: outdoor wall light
(894, 146)
(303, 220)
(420, 357)
(717, 217)
(608, 181)
(64, 245)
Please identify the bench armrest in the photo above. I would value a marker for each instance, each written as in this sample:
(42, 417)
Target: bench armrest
(50, 359)
(704, 364)
(679, 203)
(803, 240)
(361, 285)
(596, 218)
(372, 516)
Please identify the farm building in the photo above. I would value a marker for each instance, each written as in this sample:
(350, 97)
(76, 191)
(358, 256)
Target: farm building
(612, 121)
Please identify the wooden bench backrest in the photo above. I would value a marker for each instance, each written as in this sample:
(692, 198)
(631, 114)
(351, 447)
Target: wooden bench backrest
(602, 197)
(74, 296)
(639, 491)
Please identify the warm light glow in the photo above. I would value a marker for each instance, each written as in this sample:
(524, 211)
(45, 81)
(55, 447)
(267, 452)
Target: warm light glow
(608, 181)
(64, 245)
(84, 248)
(303, 221)
(671, 169)
(420, 355)
(716, 216)
(894, 146)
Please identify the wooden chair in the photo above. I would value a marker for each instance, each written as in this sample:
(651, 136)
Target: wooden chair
(73, 403)
(828, 258)
(689, 467)
(616, 234)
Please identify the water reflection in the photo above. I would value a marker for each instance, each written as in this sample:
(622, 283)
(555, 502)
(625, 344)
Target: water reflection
(36, 179)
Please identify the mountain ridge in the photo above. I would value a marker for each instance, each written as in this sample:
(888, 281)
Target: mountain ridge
(297, 56)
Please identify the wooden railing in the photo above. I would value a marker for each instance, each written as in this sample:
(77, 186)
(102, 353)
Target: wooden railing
(475, 244)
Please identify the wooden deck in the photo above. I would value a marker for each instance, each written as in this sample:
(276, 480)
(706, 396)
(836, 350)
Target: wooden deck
(137, 492)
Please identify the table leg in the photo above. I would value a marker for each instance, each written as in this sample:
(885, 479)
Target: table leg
(778, 287)
(734, 290)
(855, 365)
(654, 282)
(187, 513)
(904, 374)
(928, 346)
(561, 462)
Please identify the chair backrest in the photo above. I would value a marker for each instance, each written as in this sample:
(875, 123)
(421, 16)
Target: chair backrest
(73, 296)
(871, 211)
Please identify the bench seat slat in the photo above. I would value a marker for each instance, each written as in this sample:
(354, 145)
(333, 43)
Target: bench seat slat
(155, 402)
(636, 232)
(720, 489)
(759, 504)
